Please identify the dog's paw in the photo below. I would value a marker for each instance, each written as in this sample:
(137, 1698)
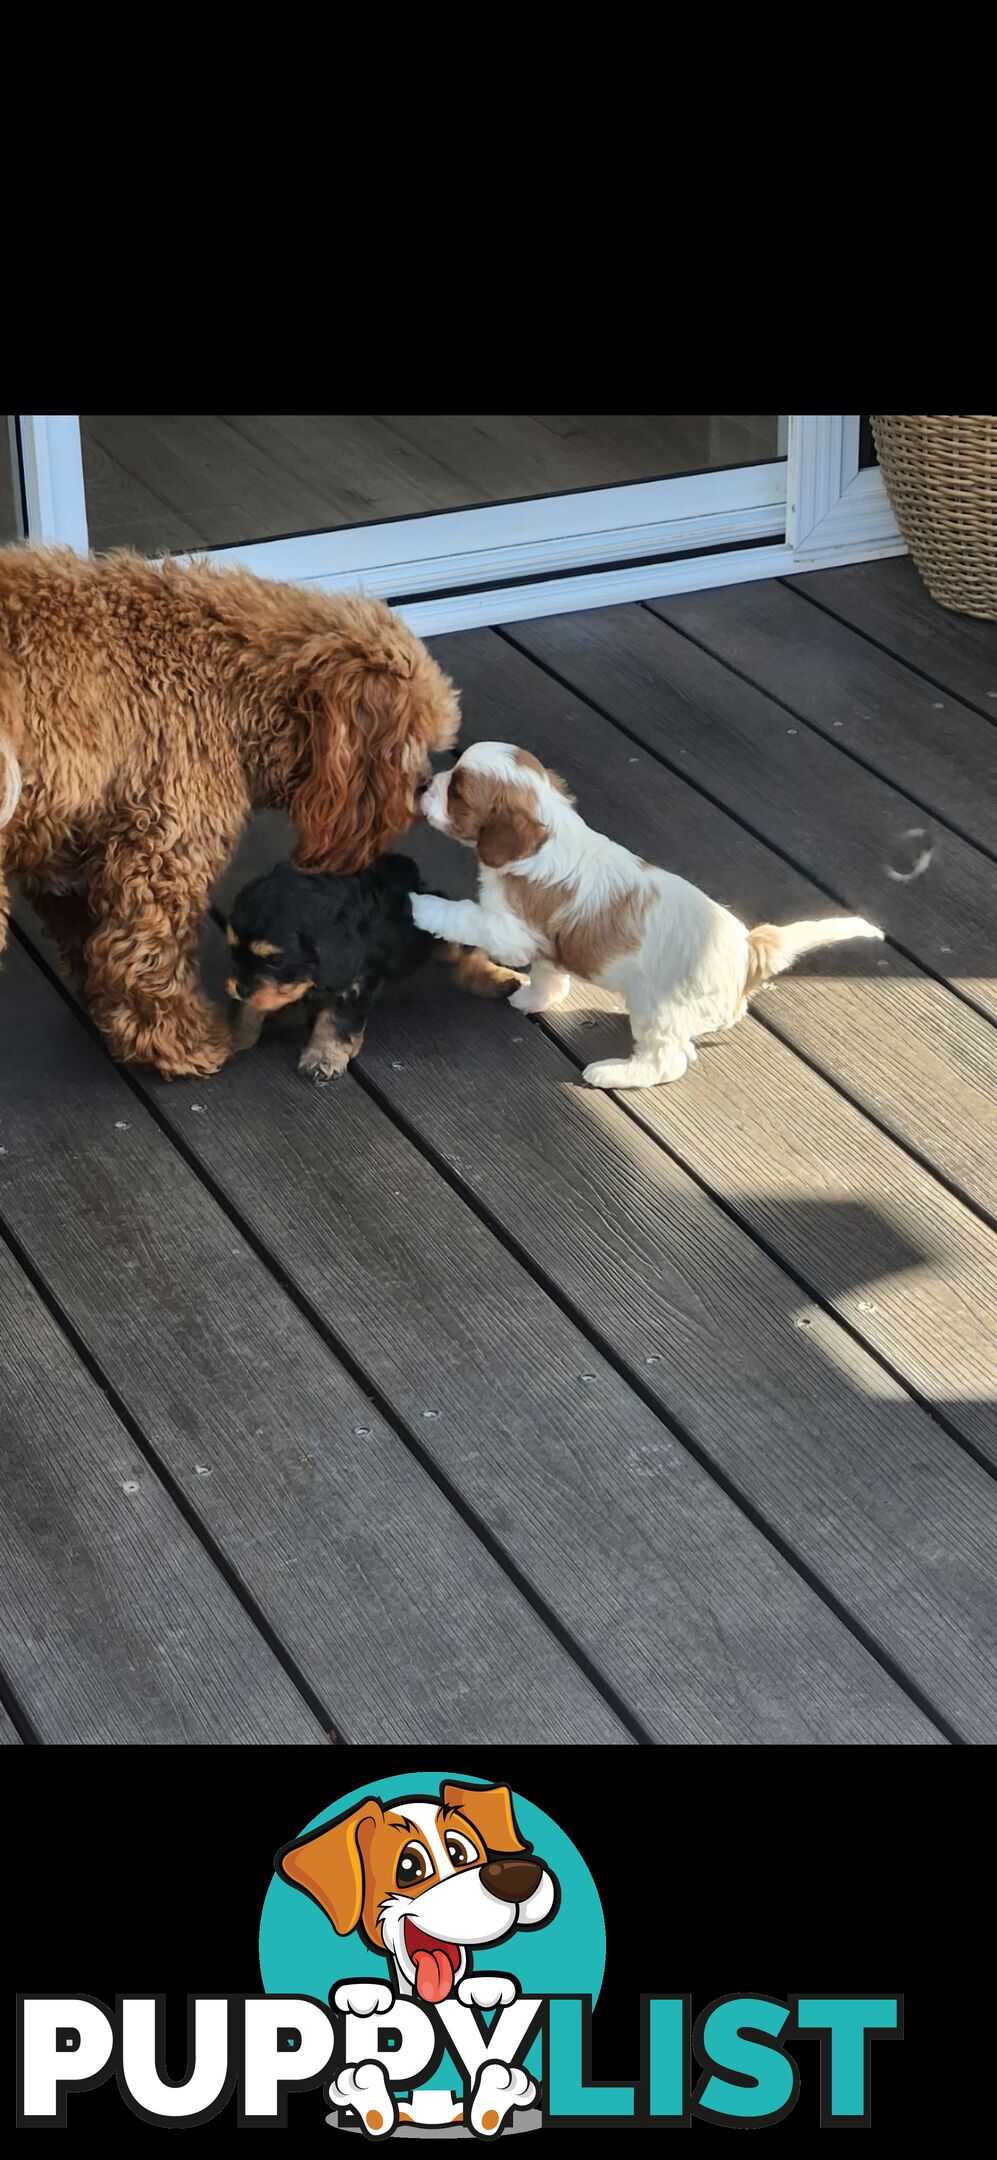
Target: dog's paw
(363, 2086)
(429, 912)
(322, 1064)
(487, 1991)
(498, 2088)
(636, 1072)
(499, 982)
(540, 996)
(200, 1063)
(605, 1073)
(362, 1998)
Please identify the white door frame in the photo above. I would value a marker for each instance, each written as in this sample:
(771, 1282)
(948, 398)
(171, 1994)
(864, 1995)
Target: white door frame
(51, 457)
(816, 508)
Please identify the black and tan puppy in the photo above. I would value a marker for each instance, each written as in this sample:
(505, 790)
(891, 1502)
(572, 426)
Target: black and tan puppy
(335, 941)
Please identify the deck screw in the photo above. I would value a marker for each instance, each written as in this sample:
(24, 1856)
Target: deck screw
(201, 1470)
(802, 1321)
(792, 731)
(654, 1359)
(430, 1413)
(361, 1432)
(586, 1376)
(130, 1485)
(198, 1108)
(120, 1125)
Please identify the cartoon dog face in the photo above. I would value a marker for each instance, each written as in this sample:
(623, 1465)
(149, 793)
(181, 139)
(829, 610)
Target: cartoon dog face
(425, 1881)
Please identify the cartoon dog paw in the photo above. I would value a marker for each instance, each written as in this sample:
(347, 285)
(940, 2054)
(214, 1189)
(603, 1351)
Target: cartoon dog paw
(498, 2088)
(362, 1998)
(486, 1991)
(363, 2086)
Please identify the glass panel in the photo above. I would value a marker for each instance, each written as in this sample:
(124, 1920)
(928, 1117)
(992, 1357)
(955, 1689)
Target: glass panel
(188, 480)
(10, 485)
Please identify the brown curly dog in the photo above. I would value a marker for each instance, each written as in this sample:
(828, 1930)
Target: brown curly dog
(145, 709)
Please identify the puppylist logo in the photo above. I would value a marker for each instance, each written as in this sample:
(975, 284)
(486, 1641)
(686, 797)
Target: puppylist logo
(431, 1953)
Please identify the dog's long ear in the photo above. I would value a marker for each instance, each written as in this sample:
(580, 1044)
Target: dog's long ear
(489, 1811)
(328, 1864)
(371, 707)
(508, 835)
(561, 785)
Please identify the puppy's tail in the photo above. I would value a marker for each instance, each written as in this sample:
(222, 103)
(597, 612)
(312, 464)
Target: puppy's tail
(10, 780)
(773, 948)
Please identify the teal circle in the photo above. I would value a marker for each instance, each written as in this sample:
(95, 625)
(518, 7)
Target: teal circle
(301, 1953)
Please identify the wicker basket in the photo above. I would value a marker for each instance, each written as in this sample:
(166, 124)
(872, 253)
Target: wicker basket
(940, 471)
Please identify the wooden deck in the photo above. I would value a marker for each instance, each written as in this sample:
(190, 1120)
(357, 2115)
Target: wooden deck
(462, 1403)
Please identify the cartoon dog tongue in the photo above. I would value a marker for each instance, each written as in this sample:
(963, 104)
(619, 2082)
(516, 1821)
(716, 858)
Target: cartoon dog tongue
(433, 1975)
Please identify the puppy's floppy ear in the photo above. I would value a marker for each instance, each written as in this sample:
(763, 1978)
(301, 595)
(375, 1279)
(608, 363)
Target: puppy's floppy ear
(368, 699)
(508, 834)
(561, 785)
(489, 1811)
(328, 1864)
(463, 813)
(354, 794)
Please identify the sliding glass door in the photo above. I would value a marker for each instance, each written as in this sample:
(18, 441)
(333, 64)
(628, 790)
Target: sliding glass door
(455, 518)
(222, 480)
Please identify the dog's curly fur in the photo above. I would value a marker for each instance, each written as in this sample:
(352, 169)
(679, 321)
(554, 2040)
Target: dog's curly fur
(145, 709)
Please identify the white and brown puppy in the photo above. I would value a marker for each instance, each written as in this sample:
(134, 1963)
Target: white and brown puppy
(558, 899)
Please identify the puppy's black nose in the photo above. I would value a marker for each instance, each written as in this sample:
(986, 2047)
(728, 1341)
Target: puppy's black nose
(513, 1880)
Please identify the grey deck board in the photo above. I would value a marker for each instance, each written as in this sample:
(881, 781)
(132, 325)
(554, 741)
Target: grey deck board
(893, 1038)
(114, 1622)
(662, 1274)
(889, 603)
(702, 1628)
(839, 823)
(872, 1233)
(928, 745)
(306, 1482)
(9, 1735)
